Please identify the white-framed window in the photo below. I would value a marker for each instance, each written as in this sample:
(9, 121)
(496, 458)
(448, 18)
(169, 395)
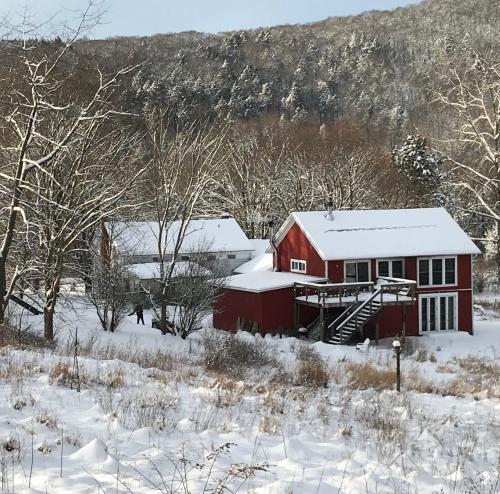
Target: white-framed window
(438, 312)
(390, 268)
(437, 271)
(298, 266)
(357, 271)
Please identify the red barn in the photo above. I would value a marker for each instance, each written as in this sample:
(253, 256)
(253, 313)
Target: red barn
(346, 274)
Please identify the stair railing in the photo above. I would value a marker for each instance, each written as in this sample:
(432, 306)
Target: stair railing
(344, 314)
(356, 312)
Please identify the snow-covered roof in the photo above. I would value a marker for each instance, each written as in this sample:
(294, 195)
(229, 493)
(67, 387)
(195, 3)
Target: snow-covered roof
(151, 270)
(260, 245)
(261, 261)
(263, 281)
(366, 234)
(206, 235)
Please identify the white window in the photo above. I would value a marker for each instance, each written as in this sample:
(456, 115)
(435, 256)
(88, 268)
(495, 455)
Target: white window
(438, 312)
(357, 271)
(297, 266)
(390, 268)
(437, 271)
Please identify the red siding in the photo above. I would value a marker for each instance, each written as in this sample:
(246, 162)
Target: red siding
(465, 311)
(296, 245)
(336, 271)
(270, 310)
(233, 304)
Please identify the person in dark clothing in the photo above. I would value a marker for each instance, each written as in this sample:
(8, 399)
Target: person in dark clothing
(138, 310)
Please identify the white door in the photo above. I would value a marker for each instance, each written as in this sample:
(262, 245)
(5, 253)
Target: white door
(437, 312)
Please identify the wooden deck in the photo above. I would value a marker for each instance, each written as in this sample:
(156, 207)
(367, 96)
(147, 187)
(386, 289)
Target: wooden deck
(354, 297)
(347, 300)
(394, 291)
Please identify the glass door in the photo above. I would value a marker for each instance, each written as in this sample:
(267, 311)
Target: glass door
(437, 312)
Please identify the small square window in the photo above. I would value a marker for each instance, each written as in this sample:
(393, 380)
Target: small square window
(297, 266)
(231, 256)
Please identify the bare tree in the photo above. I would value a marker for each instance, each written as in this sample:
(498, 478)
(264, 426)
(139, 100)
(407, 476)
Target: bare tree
(193, 289)
(110, 290)
(72, 194)
(41, 118)
(182, 168)
(474, 96)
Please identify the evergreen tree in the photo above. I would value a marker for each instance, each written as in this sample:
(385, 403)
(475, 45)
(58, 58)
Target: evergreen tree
(420, 167)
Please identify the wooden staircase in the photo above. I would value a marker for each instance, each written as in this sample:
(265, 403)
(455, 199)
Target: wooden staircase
(353, 319)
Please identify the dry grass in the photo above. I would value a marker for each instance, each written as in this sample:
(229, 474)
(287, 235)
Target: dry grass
(45, 419)
(65, 374)
(479, 365)
(366, 376)
(26, 338)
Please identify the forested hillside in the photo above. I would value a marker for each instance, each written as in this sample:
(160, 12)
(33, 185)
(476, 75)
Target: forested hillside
(379, 68)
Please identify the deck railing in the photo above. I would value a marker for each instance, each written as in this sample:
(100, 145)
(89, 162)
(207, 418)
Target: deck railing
(349, 293)
(320, 292)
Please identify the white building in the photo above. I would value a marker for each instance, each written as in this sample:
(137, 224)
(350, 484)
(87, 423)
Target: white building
(219, 241)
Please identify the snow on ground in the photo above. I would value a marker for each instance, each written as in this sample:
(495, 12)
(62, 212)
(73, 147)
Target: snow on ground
(161, 422)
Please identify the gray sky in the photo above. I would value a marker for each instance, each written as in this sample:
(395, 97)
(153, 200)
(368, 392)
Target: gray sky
(145, 17)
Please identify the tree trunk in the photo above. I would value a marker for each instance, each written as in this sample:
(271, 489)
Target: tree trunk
(48, 323)
(51, 293)
(3, 289)
(498, 255)
(163, 313)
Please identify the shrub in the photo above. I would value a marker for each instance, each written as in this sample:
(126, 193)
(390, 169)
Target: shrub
(225, 352)
(311, 369)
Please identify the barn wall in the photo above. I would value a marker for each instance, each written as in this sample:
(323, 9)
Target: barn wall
(277, 310)
(465, 314)
(233, 304)
(295, 245)
(271, 310)
(336, 271)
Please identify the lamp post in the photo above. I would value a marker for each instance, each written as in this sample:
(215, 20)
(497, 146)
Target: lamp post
(397, 348)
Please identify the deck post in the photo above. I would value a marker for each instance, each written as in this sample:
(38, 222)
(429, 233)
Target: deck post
(377, 332)
(322, 323)
(403, 333)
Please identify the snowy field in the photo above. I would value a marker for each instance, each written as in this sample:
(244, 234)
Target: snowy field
(161, 414)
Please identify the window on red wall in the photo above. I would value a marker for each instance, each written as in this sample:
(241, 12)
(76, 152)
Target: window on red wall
(357, 271)
(437, 271)
(390, 268)
(298, 266)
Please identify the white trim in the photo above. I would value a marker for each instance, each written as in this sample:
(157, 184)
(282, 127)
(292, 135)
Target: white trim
(281, 233)
(357, 261)
(390, 260)
(437, 296)
(429, 259)
(298, 270)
